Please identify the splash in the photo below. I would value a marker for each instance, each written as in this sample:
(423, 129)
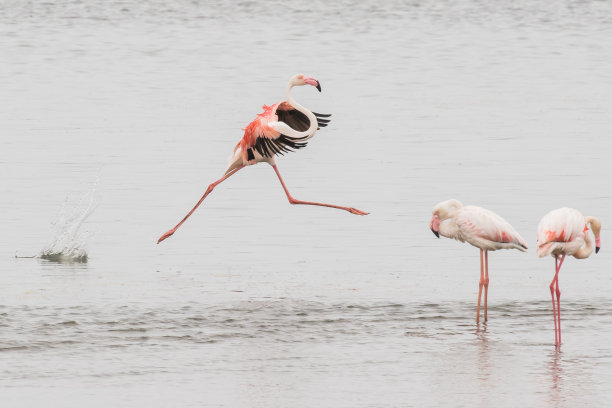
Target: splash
(70, 242)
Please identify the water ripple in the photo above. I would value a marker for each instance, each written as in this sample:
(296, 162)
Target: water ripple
(285, 321)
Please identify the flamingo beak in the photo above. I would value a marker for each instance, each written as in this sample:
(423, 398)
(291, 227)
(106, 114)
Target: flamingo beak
(597, 244)
(434, 225)
(313, 82)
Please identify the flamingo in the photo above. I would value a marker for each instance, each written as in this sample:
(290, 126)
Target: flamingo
(480, 227)
(562, 232)
(282, 127)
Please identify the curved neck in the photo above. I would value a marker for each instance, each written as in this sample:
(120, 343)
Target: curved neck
(289, 131)
(595, 226)
(449, 229)
(455, 203)
(587, 250)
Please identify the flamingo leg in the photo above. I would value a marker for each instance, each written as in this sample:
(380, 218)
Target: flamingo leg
(480, 285)
(558, 292)
(552, 294)
(294, 201)
(208, 190)
(486, 283)
(554, 289)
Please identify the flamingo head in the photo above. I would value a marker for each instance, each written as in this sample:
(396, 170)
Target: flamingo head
(434, 225)
(443, 211)
(301, 79)
(596, 228)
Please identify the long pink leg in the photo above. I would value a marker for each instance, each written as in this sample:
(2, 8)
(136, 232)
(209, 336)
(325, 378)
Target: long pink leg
(208, 190)
(554, 286)
(294, 201)
(486, 283)
(558, 291)
(552, 294)
(480, 285)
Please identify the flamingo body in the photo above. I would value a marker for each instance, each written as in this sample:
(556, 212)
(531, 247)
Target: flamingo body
(261, 141)
(479, 227)
(486, 230)
(562, 232)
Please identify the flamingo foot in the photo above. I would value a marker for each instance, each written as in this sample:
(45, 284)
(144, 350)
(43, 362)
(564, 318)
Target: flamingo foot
(356, 211)
(166, 235)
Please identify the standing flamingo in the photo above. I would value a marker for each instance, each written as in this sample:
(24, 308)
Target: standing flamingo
(480, 227)
(564, 232)
(281, 128)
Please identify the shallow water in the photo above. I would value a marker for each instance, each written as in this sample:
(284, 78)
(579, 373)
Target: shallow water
(254, 302)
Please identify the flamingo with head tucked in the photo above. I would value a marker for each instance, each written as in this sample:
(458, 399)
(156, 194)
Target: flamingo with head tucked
(282, 127)
(564, 232)
(480, 227)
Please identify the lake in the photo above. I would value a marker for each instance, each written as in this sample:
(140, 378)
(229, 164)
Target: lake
(117, 115)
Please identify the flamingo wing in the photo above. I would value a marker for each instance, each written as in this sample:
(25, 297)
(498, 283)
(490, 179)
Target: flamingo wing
(297, 120)
(482, 224)
(260, 138)
(561, 225)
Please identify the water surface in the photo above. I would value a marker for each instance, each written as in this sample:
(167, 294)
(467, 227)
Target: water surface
(255, 302)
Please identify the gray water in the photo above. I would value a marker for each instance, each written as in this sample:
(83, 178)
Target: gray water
(257, 303)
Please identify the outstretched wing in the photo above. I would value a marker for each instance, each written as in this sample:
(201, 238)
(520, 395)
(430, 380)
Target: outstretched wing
(270, 146)
(322, 118)
(297, 120)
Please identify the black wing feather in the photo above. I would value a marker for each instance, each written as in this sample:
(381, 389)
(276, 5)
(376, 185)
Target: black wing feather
(294, 118)
(283, 144)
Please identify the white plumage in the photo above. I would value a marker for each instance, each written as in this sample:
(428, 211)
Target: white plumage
(565, 231)
(478, 226)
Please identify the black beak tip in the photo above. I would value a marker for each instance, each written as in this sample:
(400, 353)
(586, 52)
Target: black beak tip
(597, 249)
(436, 233)
(318, 86)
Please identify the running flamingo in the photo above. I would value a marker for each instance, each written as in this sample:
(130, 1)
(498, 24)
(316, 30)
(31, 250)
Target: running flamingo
(480, 227)
(564, 232)
(282, 127)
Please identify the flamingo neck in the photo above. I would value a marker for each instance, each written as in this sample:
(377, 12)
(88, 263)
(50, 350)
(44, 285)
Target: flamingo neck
(449, 229)
(587, 250)
(289, 131)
